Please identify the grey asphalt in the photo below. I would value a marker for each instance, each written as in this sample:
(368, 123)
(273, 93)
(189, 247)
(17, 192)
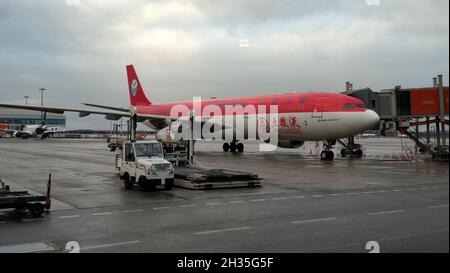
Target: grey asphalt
(304, 206)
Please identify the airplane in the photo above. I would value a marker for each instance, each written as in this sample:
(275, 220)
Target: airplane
(27, 131)
(311, 116)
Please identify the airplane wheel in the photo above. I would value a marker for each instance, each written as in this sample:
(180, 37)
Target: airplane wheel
(226, 147)
(233, 147)
(344, 152)
(240, 147)
(359, 153)
(327, 156)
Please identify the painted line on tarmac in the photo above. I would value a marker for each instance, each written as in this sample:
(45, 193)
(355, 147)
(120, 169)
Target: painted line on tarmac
(279, 198)
(188, 206)
(352, 193)
(101, 213)
(299, 197)
(314, 220)
(161, 208)
(213, 204)
(69, 216)
(111, 245)
(236, 202)
(318, 196)
(222, 230)
(387, 212)
(133, 210)
(258, 200)
(2, 222)
(368, 192)
(336, 194)
(439, 207)
(31, 220)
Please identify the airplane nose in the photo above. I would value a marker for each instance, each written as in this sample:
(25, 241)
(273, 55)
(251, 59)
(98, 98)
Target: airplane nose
(371, 118)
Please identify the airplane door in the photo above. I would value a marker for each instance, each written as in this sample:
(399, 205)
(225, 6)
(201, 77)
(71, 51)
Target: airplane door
(130, 163)
(319, 104)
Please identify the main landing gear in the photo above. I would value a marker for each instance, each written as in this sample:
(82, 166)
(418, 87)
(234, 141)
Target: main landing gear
(327, 154)
(351, 149)
(233, 147)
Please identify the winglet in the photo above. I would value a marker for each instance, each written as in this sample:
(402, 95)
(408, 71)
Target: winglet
(137, 95)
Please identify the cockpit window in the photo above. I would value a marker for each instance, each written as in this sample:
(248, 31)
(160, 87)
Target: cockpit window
(349, 106)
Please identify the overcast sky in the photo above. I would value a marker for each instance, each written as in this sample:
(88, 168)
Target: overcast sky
(78, 49)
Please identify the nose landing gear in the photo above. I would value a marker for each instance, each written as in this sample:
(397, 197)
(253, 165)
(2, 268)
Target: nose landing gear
(327, 154)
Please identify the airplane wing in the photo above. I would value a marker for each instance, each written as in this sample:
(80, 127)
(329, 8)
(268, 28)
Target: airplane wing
(110, 115)
(162, 121)
(120, 109)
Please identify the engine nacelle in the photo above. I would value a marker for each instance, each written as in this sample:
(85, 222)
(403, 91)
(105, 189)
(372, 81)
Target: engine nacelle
(40, 130)
(290, 144)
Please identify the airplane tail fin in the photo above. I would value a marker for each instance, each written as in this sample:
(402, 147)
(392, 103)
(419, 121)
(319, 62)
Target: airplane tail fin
(137, 95)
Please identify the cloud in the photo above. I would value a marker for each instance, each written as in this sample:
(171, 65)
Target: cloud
(189, 48)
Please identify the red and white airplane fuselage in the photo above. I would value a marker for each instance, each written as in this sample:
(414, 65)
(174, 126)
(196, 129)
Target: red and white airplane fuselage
(301, 117)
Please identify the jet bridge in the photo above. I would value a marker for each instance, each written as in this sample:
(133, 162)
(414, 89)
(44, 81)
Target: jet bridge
(404, 110)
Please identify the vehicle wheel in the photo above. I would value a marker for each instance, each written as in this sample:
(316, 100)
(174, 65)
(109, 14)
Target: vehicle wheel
(127, 182)
(233, 147)
(240, 147)
(330, 155)
(323, 155)
(168, 186)
(226, 147)
(344, 152)
(37, 209)
(145, 185)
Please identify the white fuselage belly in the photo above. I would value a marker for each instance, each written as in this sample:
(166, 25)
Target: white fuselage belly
(307, 126)
(316, 126)
(321, 126)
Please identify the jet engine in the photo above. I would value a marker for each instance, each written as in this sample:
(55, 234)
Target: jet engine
(40, 130)
(290, 144)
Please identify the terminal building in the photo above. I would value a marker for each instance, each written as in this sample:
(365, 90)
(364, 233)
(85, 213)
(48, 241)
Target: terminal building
(15, 119)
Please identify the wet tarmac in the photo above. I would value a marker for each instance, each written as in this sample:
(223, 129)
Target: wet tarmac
(391, 196)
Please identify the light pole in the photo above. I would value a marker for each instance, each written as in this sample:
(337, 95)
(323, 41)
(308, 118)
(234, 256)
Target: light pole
(26, 99)
(42, 100)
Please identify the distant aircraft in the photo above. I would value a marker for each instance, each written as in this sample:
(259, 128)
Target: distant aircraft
(27, 131)
(301, 116)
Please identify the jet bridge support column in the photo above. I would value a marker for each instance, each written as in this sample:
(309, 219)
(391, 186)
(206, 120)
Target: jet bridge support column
(191, 137)
(428, 130)
(442, 109)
